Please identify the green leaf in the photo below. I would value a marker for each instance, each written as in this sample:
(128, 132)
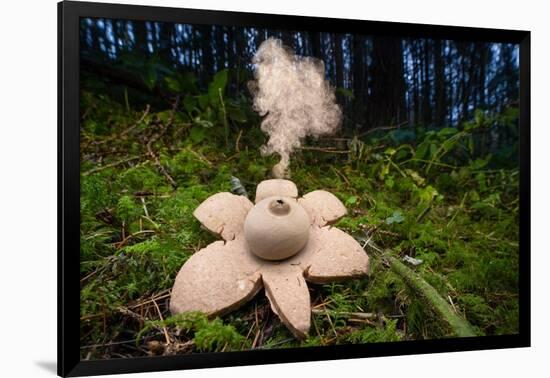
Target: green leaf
(209, 114)
(351, 200)
(149, 77)
(433, 150)
(479, 117)
(464, 173)
(474, 196)
(237, 114)
(448, 144)
(427, 194)
(480, 163)
(481, 180)
(454, 175)
(419, 180)
(345, 92)
(164, 116)
(190, 104)
(385, 170)
(203, 101)
(421, 150)
(172, 84)
(396, 217)
(400, 155)
(217, 85)
(203, 123)
(187, 82)
(197, 134)
(389, 151)
(447, 131)
(126, 208)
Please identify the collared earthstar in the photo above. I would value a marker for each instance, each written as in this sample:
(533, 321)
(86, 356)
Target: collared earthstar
(280, 243)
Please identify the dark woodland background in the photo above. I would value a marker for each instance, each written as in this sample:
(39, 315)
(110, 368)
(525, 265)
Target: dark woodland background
(380, 80)
(426, 164)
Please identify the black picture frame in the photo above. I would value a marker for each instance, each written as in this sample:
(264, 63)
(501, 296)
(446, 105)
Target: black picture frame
(69, 363)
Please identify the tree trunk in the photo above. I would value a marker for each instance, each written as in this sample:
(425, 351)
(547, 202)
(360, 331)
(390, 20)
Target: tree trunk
(440, 95)
(387, 96)
(288, 39)
(416, 83)
(316, 44)
(230, 46)
(510, 73)
(140, 37)
(359, 86)
(338, 60)
(206, 48)
(426, 86)
(220, 48)
(111, 43)
(483, 74)
(95, 36)
(468, 81)
(452, 85)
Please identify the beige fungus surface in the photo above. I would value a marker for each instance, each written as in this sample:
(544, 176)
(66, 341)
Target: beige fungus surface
(224, 275)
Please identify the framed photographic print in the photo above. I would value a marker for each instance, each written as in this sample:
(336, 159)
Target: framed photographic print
(241, 188)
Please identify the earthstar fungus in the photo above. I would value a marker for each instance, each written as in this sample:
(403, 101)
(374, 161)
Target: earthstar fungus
(278, 244)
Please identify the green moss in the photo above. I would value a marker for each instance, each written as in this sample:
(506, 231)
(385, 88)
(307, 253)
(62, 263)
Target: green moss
(209, 335)
(137, 230)
(385, 333)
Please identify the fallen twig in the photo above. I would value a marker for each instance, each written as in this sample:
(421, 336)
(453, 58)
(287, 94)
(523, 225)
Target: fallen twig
(277, 343)
(330, 321)
(144, 207)
(383, 128)
(163, 294)
(157, 136)
(357, 315)
(341, 175)
(126, 131)
(458, 325)
(125, 240)
(110, 165)
(238, 140)
(132, 314)
(107, 344)
(329, 150)
(200, 157)
(160, 167)
(162, 319)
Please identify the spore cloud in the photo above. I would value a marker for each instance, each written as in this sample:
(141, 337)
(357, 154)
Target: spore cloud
(294, 98)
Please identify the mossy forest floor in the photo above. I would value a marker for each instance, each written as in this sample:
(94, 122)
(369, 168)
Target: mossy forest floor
(437, 197)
